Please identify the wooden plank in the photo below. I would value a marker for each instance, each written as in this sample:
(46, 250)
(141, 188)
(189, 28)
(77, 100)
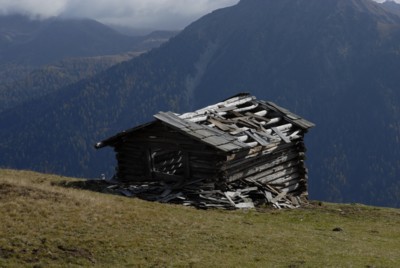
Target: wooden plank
(171, 119)
(266, 176)
(229, 198)
(291, 188)
(238, 102)
(295, 201)
(305, 124)
(219, 124)
(251, 144)
(262, 163)
(239, 130)
(218, 106)
(258, 155)
(279, 197)
(265, 169)
(257, 138)
(229, 147)
(245, 122)
(267, 134)
(295, 135)
(269, 151)
(225, 109)
(274, 120)
(247, 190)
(204, 132)
(257, 115)
(270, 178)
(162, 142)
(268, 196)
(281, 135)
(286, 181)
(242, 138)
(247, 108)
(284, 128)
(198, 119)
(194, 126)
(215, 140)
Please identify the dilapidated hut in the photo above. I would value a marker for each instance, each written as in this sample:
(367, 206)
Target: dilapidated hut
(237, 153)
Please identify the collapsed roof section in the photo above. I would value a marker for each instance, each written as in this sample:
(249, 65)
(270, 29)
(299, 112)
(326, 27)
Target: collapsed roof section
(238, 123)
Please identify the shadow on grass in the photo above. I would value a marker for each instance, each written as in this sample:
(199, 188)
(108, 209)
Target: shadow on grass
(100, 186)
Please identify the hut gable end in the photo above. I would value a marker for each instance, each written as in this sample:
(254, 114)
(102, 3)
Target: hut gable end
(237, 153)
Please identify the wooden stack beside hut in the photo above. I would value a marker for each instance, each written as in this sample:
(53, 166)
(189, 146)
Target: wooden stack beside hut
(237, 153)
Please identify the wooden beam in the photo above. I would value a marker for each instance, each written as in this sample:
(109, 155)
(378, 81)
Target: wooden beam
(281, 135)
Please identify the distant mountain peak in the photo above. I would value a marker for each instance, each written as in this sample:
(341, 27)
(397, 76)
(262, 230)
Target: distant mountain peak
(392, 6)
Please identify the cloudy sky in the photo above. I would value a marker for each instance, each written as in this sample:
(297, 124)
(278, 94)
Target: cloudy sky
(148, 14)
(156, 14)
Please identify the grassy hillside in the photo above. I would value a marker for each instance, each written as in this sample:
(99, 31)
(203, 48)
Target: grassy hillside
(44, 224)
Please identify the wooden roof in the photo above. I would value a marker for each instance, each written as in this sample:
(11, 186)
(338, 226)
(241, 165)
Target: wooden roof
(238, 123)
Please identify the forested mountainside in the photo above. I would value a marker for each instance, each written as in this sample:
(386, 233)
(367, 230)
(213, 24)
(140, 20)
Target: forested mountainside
(26, 43)
(50, 78)
(41, 56)
(335, 62)
(38, 42)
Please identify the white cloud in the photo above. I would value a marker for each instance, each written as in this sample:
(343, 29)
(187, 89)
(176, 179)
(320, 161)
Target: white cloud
(43, 8)
(381, 1)
(167, 14)
(156, 14)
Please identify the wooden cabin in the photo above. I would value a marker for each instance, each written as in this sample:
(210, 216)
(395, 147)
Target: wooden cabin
(237, 153)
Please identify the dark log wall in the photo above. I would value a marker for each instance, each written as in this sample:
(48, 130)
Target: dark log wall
(132, 162)
(158, 152)
(206, 165)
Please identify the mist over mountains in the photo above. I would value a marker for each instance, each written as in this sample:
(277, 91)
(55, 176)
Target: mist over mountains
(38, 56)
(335, 62)
(36, 42)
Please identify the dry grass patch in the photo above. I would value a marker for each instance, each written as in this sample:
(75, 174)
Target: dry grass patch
(44, 224)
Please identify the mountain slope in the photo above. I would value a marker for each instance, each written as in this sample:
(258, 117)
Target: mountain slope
(27, 43)
(41, 42)
(392, 6)
(40, 56)
(50, 78)
(335, 62)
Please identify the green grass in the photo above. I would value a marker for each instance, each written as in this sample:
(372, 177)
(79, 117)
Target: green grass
(46, 225)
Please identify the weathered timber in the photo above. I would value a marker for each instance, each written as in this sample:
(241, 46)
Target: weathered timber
(266, 169)
(266, 155)
(237, 153)
(261, 163)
